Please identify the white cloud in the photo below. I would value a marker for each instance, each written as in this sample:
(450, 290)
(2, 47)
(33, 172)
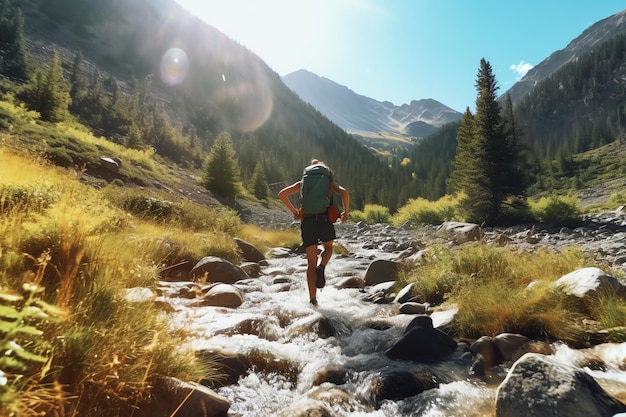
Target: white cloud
(522, 68)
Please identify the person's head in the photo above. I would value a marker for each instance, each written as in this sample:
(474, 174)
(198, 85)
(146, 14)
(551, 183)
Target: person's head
(318, 162)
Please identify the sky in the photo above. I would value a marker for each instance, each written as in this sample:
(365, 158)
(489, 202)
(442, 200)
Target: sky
(404, 50)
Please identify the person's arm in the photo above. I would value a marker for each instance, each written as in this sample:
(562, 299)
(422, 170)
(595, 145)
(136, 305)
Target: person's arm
(345, 201)
(284, 194)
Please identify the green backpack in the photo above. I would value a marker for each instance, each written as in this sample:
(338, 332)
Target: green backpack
(315, 191)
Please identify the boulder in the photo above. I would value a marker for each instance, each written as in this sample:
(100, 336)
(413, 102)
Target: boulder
(460, 232)
(405, 294)
(249, 252)
(221, 295)
(217, 270)
(540, 386)
(112, 164)
(584, 281)
(421, 342)
(382, 270)
(396, 385)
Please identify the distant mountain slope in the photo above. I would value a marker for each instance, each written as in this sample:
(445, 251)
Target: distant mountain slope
(590, 38)
(365, 116)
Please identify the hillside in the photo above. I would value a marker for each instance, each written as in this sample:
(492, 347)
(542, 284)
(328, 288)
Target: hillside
(131, 46)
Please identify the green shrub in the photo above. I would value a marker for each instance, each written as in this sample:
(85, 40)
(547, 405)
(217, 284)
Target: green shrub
(423, 211)
(372, 214)
(26, 198)
(556, 209)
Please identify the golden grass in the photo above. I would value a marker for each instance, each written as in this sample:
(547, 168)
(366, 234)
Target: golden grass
(497, 290)
(265, 239)
(85, 252)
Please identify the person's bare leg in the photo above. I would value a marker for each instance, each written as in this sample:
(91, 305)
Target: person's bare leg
(327, 253)
(311, 260)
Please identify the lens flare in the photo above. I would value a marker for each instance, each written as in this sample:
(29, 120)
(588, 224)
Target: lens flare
(174, 66)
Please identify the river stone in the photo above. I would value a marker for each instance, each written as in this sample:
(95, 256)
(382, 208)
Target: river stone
(183, 399)
(421, 342)
(460, 232)
(405, 294)
(540, 386)
(485, 354)
(249, 252)
(397, 385)
(510, 345)
(586, 280)
(221, 295)
(381, 270)
(217, 270)
(414, 308)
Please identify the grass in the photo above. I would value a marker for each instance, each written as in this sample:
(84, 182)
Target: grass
(497, 290)
(66, 240)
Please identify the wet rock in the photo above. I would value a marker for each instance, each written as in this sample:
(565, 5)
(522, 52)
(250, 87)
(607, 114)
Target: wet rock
(414, 308)
(397, 385)
(510, 345)
(382, 271)
(217, 270)
(405, 294)
(485, 354)
(278, 253)
(540, 386)
(173, 397)
(249, 252)
(253, 269)
(221, 295)
(315, 323)
(306, 407)
(421, 342)
(350, 282)
(334, 374)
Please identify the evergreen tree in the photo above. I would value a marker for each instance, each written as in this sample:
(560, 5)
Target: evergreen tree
(258, 183)
(48, 93)
(13, 56)
(222, 171)
(487, 161)
(133, 138)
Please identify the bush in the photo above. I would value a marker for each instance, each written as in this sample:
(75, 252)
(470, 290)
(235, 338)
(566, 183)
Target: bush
(371, 214)
(420, 210)
(556, 209)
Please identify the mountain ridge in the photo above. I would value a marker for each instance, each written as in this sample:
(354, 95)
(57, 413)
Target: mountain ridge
(585, 42)
(365, 116)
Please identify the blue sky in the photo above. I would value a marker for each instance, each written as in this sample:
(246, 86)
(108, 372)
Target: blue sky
(403, 50)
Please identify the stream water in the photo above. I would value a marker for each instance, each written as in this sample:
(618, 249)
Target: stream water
(276, 320)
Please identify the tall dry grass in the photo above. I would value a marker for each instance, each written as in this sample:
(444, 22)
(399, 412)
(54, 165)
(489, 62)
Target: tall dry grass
(81, 253)
(500, 290)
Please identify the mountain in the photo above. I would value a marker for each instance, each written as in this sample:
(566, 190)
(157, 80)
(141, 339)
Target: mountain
(588, 40)
(366, 117)
(186, 82)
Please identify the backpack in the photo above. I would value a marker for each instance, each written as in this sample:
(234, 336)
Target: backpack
(315, 191)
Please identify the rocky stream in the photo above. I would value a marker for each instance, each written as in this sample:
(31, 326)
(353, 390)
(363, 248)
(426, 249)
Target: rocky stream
(368, 351)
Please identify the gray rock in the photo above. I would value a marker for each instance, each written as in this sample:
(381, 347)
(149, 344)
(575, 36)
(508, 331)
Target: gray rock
(539, 386)
(217, 270)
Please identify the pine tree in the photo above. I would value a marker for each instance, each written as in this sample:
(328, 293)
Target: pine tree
(13, 57)
(487, 163)
(48, 93)
(258, 183)
(222, 171)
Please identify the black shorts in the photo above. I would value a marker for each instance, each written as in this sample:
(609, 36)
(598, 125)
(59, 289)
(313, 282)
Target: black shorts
(316, 229)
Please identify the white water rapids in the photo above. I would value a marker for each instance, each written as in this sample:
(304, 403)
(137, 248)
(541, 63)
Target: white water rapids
(285, 325)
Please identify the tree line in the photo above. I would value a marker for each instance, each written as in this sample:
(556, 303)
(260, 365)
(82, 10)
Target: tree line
(483, 160)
